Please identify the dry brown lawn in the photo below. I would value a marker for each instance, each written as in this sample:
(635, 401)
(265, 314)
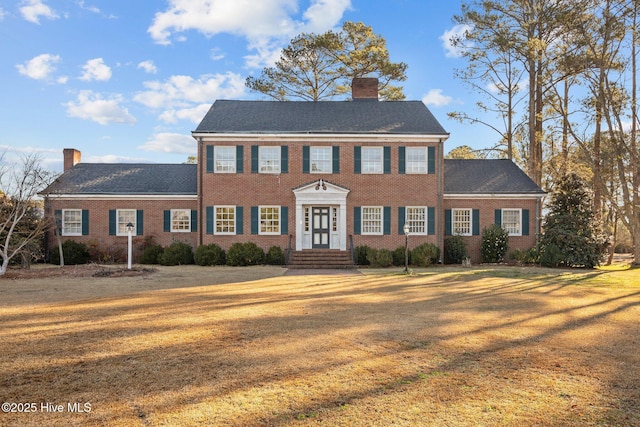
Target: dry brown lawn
(500, 346)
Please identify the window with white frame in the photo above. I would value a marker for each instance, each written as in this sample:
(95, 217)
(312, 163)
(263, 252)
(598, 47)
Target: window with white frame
(126, 216)
(72, 222)
(225, 220)
(269, 220)
(334, 219)
(307, 219)
(372, 159)
(320, 160)
(511, 221)
(461, 221)
(371, 220)
(416, 218)
(416, 159)
(269, 159)
(224, 159)
(180, 220)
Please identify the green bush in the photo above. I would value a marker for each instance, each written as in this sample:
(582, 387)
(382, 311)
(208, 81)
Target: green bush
(241, 254)
(151, 254)
(495, 243)
(455, 250)
(398, 256)
(551, 256)
(275, 256)
(380, 257)
(530, 256)
(425, 254)
(74, 253)
(210, 254)
(362, 254)
(177, 253)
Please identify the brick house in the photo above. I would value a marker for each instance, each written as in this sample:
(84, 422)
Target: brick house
(303, 175)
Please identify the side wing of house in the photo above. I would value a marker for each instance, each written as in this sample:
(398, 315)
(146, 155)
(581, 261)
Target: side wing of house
(480, 193)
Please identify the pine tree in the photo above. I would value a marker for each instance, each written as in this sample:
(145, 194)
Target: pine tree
(572, 234)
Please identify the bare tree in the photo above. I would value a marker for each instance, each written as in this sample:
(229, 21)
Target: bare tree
(21, 184)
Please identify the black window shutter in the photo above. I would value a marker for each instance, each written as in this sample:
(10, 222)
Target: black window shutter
(209, 158)
(113, 226)
(386, 220)
(401, 219)
(386, 159)
(139, 222)
(306, 158)
(254, 220)
(284, 159)
(475, 222)
(254, 159)
(336, 159)
(402, 160)
(194, 220)
(357, 220)
(85, 222)
(431, 160)
(525, 222)
(239, 159)
(431, 221)
(209, 220)
(357, 159)
(284, 220)
(239, 220)
(447, 222)
(498, 217)
(167, 221)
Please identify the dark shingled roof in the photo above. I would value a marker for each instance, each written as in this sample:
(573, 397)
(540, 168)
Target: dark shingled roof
(127, 178)
(487, 176)
(357, 117)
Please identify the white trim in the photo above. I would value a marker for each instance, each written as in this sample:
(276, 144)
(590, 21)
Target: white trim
(519, 220)
(453, 221)
(472, 196)
(62, 223)
(406, 161)
(324, 147)
(171, 229)
(215, 151)
(215, 220)
(278, 159)
(362, 232)
(270, 233)
(271, 137)
(134, 222)
(426, 219)
(120, 197)
(362, 160)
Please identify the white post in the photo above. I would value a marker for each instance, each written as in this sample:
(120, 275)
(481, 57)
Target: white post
(129, 230)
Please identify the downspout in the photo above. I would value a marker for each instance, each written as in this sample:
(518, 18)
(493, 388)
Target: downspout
(201, 212)
(538, 218)
(440, 212)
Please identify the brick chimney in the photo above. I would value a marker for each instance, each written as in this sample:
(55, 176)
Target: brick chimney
(364, 88)
(71, 158)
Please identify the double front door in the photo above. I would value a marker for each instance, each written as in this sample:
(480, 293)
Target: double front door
(320, 227)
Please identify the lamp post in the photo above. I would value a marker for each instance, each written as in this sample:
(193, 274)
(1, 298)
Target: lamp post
(406, 229)
(129, 231)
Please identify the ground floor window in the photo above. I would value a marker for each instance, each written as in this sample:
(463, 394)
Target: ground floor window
(269, 219)
(461, 221)
(511, 221)
(72, 222)
(371, 220)
(124, 217)
(416, 218)
(180, 220)
(225, 219)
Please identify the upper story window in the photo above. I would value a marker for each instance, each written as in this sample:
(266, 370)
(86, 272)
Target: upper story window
(372, 160)
(269, 159)
(72, 222)
(461, 222)
(511, 221)
(224, 159)
(320, 160)
(180, 220)
(416, 159)
(124, 217)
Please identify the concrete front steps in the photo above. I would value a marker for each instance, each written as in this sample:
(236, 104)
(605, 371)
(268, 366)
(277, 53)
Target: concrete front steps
(320, 259)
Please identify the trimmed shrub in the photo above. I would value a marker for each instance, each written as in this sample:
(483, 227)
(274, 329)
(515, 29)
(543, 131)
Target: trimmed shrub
(362, 254)
(455, 250)
(151, 254)
(398, 256)
(275, 256)
(211, 254)
(425, 254)
(177, 253)
(74, 253)
(551, 256)
(495, 243)
(241, 254)
(380, 257)
(530, 256)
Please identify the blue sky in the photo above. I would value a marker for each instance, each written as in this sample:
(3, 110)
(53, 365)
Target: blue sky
(127, 81)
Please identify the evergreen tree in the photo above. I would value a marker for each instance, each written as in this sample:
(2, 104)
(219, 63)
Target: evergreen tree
(572, 234)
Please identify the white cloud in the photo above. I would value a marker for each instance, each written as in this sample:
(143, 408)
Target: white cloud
(263, 23)
(170, 143)
(3, 13)
(92, 9)
(39, 67)
(216, 54)
(452, 50)
(92, 106)
(148, 67)
(33, 10)
(436, 98)
(95, 69)
(183, 97)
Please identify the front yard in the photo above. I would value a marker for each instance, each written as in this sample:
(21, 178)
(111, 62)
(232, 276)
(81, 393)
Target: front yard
(222, 346)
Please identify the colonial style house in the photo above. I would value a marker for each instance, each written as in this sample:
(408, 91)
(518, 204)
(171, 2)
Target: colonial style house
(322, 176)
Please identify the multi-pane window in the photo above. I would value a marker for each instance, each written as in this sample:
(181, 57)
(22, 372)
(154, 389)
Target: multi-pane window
(511, 221)
(224, 159)
(72, 222)
(372, 159)
(269, 159)
(416, 218)
(307, 219)
(320, 160)
(225, 219)
(372, 220)
(269, 220)
(180, 220)
(124, 217)
(461, 221)
(334, 219)
(416, 160)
